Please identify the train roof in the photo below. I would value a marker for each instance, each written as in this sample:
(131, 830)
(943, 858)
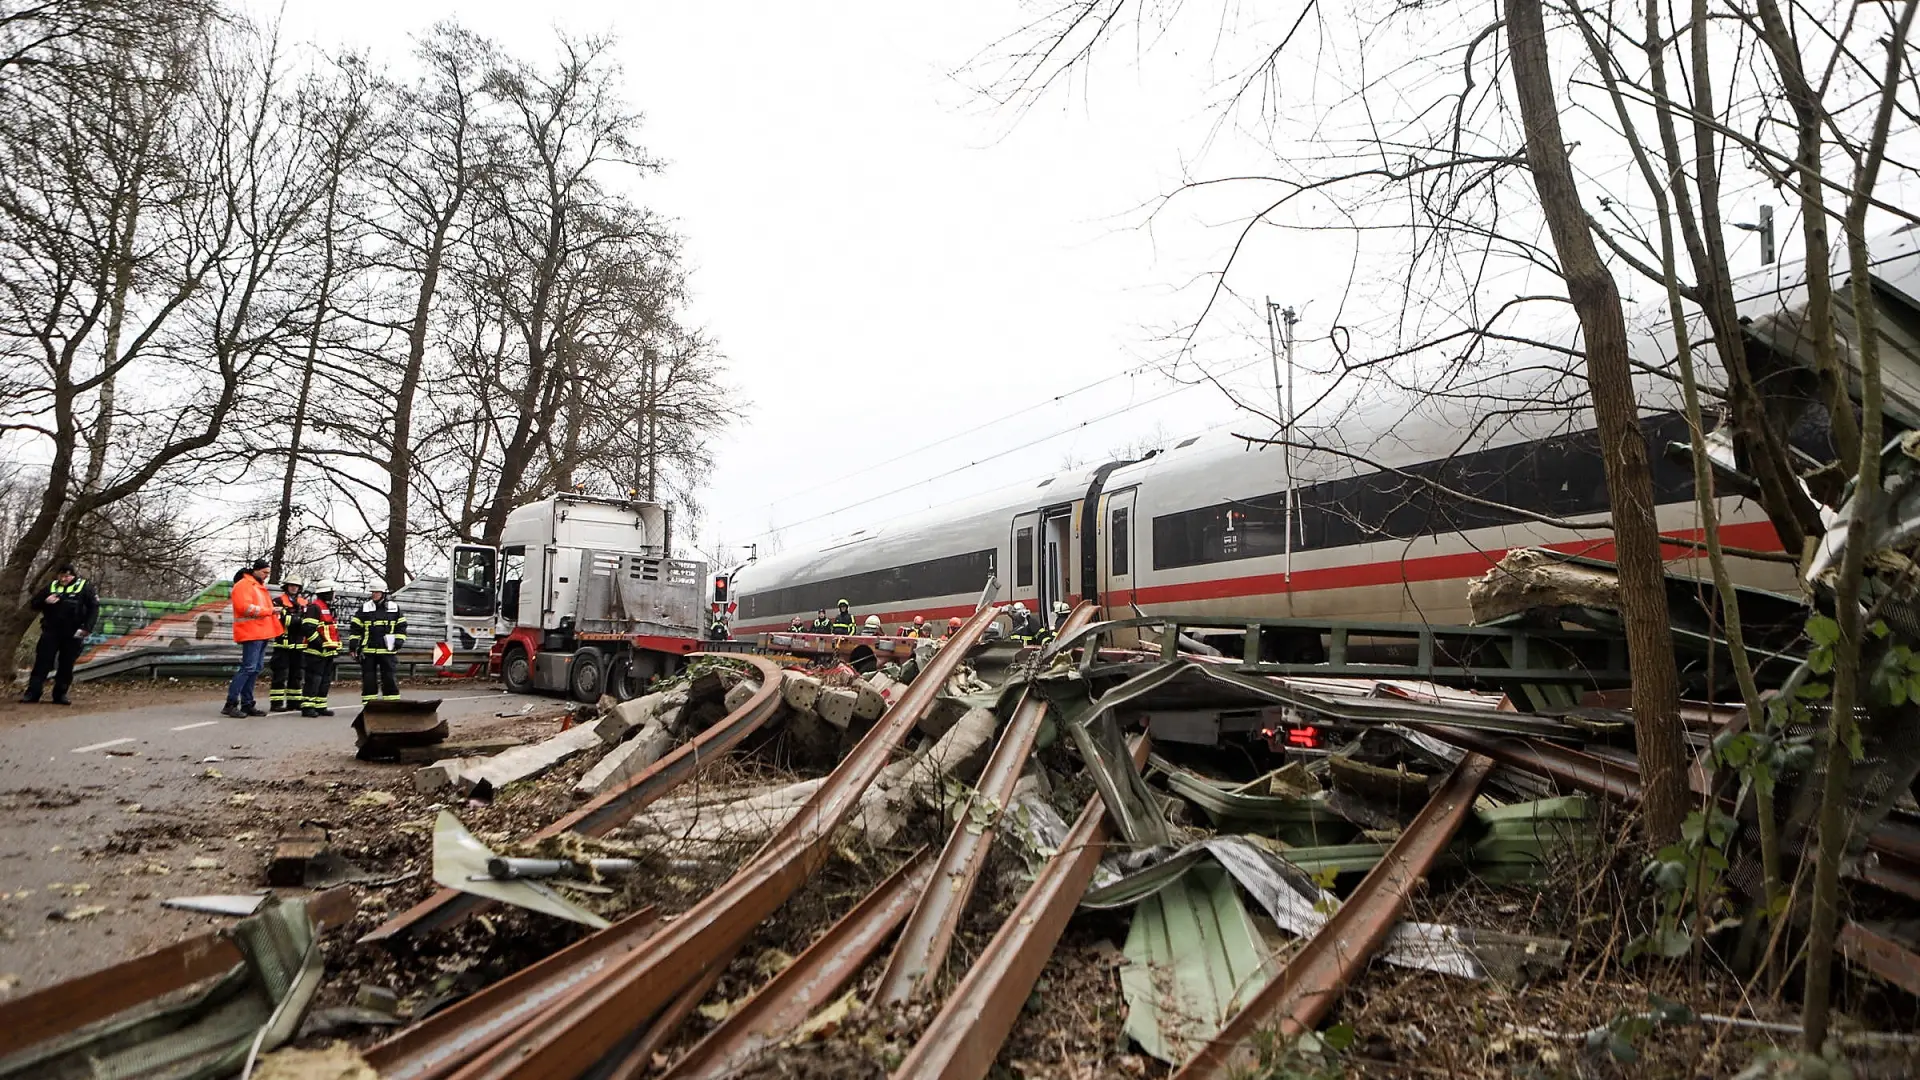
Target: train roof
(998, 505)
(1495, 403)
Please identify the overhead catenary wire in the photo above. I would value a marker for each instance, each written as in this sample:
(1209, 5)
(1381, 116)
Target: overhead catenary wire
(1003, 453)
(975, 429)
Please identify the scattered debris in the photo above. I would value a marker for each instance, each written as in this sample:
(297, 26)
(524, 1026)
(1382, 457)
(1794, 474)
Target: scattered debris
(291, 854)
(1194, 960)
(524, 762)
(253, 1007)
(386, 725)
(777, 885)
(460, 862)
(335, 1061)
(228, 904)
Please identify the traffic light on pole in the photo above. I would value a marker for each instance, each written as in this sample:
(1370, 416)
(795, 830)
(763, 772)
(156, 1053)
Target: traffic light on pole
(720, 589)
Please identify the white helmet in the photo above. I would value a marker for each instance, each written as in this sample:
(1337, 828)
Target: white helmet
(1019, 607)
(326, 585)
(873, 622)
(1060, 607)
(293, 580)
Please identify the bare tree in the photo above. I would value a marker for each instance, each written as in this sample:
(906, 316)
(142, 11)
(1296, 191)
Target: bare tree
(208, 225)
(336, 109)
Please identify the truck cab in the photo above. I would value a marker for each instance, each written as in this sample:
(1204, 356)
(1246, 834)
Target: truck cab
(582, 595)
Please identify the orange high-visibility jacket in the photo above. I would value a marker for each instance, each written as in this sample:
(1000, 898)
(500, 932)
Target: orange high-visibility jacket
(253, 617)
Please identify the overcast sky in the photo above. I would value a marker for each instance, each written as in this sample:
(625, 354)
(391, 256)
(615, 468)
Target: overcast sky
(886, 256)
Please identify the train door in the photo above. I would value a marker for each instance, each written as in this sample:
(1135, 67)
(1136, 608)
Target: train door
(1024, 549)
(1121, 555)
(1056, 541)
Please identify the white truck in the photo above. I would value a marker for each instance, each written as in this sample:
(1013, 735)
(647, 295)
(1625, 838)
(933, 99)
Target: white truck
(582, 596)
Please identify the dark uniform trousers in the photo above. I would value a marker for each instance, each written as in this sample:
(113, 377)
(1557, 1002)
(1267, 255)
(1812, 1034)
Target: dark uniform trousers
(289, 678)
(55, 655)
(379, 667)
(379, 676)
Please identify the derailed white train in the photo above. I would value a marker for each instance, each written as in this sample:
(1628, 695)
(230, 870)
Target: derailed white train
(1353, 521)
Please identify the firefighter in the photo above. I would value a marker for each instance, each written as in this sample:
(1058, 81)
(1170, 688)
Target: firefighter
(1048, 631)
(290, 648)
(843, 621)
(918, 629)
(377, 632)
(822, 622)
(953, 626)
(322, 647)
(67, 608)
(1021, 626)
(872, 627)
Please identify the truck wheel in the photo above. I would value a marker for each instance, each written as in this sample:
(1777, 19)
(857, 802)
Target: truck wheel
(623, 681)
(516, 670)
(588, 676)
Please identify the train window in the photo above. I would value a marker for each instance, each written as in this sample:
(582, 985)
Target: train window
(946, 576)
(1561, 475)
(1118, 530)
(1023, 558)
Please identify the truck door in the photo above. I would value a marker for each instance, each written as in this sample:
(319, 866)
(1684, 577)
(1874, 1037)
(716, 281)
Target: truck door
(1023, 560)
(473, 595)
(1119, 555)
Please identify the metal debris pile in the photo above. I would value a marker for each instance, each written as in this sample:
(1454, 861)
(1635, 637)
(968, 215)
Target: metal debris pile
(1241, 836)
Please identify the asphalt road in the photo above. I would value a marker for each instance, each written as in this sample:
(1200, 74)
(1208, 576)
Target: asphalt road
(120, 807)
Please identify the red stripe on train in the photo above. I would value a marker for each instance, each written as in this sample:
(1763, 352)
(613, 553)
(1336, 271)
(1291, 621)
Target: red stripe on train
(1752, 535)
(1756, 536)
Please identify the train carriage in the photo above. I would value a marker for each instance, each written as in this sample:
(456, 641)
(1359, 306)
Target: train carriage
(1384, 513)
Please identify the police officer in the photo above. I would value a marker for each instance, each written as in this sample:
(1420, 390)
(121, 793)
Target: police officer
(822, 622)
(67, 608)
(718, 631)
(842, 623)
(290, 648)
(378, 631)
(798, 625)
(322, 646)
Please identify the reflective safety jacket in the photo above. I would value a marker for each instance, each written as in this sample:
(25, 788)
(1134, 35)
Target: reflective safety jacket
(66, 610)
(323, 635)
(374, 623)
(842, 623)
(253, 617)
(293, 612)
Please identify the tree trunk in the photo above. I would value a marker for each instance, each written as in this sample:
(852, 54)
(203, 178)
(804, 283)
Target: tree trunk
(283, 521)
(1834, 827)
(1591, 289)
(400, 461)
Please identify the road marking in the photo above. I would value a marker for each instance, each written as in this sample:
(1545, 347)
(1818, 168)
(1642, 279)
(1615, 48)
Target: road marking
(190, 727)
(102, 745)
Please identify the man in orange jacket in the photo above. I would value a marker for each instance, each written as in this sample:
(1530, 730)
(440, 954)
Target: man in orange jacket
(254, 626)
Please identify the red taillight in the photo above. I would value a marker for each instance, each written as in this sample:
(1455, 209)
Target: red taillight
(1307, 738)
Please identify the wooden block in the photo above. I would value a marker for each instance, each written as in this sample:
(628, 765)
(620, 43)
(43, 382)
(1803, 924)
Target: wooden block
(288, 867)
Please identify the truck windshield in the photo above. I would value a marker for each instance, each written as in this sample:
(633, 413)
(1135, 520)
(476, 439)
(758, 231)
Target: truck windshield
(473, 581)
